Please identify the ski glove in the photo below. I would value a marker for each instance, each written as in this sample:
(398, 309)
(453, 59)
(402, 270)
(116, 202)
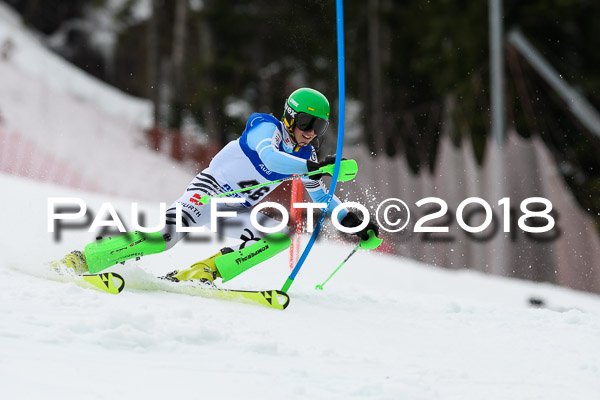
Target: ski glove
(314, 166)
(351, 220)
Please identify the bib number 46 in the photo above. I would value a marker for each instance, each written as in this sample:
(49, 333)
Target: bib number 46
(254, 194)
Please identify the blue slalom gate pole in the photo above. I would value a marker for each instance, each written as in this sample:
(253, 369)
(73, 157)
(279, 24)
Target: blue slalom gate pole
(340, 142)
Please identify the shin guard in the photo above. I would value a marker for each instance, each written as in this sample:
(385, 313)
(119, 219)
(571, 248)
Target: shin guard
(232, 264)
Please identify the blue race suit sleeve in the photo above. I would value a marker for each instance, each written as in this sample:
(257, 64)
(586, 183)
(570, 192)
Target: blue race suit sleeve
(318, 193)
(264, 139)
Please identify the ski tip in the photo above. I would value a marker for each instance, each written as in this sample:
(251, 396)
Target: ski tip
(119, 277)
(109, 282)
(286, 298)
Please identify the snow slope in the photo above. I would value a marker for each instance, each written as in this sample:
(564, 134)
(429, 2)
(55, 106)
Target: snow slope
(383, 328)
(57, 123)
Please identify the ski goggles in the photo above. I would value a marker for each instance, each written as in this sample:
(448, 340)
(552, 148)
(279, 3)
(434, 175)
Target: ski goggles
(306, 123)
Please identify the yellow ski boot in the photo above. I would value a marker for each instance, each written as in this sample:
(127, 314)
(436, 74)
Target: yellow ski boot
(74, 262)
(204, 271)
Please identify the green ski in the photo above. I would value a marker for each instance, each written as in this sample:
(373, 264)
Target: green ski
(269, 298)
(108, 282)
(114, 283)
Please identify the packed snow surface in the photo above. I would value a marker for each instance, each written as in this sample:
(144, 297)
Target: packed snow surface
(383, 328)
(59, 124)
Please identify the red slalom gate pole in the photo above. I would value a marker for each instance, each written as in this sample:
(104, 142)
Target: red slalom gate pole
(297, 221)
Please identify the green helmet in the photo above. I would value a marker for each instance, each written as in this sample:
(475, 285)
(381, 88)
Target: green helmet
(307, 109)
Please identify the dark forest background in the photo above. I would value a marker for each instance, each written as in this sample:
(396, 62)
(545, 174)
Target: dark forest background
(408, 63)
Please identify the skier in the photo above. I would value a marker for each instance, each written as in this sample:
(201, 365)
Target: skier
(268, 150)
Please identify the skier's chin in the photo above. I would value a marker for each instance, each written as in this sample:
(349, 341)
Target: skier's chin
(304, 143)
